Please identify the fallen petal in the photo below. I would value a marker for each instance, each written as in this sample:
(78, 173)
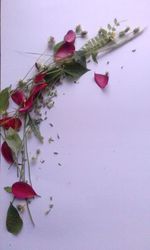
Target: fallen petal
(101, 80)
(18, 97)
(7, 153)
(70, 37)
(66, 50)
(22, 190)
(10, 122)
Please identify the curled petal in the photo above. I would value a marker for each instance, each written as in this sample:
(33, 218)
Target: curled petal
(22, 190)
(27, 105)
(7, 153)
(39, 77)
(70, 37)
(101, 80)
(18, 97)
(30, 101)
(10, 122)
(36, 89)
(66, 50)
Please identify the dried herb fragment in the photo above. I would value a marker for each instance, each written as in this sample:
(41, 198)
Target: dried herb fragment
(8, 189)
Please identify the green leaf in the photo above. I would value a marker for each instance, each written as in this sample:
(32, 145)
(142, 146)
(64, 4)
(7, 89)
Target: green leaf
(94, 57)
(4, 100)
(57, 46)
(13, 140)
(80, 57)
(35, 129)
(14, 222)
(74, 69)
(8, 189)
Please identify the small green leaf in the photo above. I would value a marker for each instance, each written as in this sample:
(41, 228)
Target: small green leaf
(116, 22)
(94, 57)
(74, 69)
(4, 100)
(14, 222)
(13, 140)
(80, 57)
(57, 46)
(8, 189)
(35, 129)
(109, 26)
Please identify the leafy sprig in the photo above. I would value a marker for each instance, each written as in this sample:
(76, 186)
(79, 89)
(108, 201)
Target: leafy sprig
(37, 92)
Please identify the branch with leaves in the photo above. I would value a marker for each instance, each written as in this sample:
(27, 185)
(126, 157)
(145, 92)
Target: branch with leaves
(33, 94)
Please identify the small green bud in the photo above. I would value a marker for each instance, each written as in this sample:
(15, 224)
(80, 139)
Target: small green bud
(78, 29)
(136, 30)
(121, 33)
(84, 33)
(127, 29)
(51, 42)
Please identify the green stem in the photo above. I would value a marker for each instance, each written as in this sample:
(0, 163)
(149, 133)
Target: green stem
(28, 162)
(22, 172)
(29, 212)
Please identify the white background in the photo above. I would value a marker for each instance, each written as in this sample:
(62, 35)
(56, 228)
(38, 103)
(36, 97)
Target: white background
(101, 193)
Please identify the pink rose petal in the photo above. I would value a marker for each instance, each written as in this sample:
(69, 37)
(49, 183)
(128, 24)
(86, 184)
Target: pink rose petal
(18, 97)
(70, 37)
(22, 190)
(101, 80)
(66, 50)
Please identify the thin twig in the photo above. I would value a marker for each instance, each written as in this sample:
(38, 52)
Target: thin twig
(29, 212)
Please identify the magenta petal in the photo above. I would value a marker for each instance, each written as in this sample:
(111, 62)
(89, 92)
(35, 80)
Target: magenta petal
(7, 153)
(18, 97)
(101, 80)
(27, 105)
(70, 37)
(66, 50)
(36, 89)
(39, 77)
(10, 122)
(22, 190)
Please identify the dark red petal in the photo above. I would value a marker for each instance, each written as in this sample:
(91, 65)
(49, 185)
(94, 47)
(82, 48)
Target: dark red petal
(101, 80)
(18, 97)
(27, 105)
(39, 77)
(70, 37)
(10, 122)
(36, 89)
(34, 92)
(22, 190)
(7, 153)
(66, 50)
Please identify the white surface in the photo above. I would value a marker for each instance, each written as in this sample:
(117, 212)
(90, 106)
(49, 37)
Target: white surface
(101, 192)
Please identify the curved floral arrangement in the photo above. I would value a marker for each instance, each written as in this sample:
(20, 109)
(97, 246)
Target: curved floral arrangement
(31, 95)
